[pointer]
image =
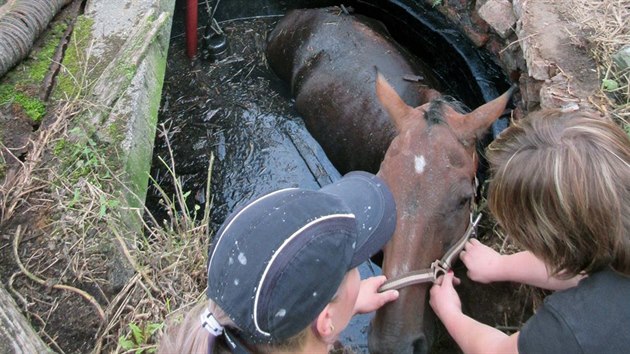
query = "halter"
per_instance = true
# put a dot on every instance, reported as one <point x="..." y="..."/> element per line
<point x="438" y="267"/>
<point x="443" y="265"/>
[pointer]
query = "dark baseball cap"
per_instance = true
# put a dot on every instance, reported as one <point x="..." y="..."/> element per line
<point x="278" y="261"/>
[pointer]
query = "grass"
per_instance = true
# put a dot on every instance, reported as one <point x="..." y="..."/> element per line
<point x="168" y="261"/>
<point x="76" y="201"/>
<point x="606" y="27"/>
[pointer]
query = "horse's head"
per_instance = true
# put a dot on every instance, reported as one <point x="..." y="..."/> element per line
<point x="430" y="167"/>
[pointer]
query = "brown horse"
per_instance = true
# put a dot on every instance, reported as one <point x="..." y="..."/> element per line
<point x="430" y="167"/>
<point x="328" y="57"/>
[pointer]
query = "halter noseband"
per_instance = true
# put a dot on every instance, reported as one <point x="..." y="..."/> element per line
<point x="438" y="267"/>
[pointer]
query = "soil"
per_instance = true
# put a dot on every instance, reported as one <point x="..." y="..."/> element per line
<point x="69" y="324"/>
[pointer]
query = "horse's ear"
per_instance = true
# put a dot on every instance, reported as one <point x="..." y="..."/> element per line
<point x="398" y="110"/>
<point x="479" y="120"/>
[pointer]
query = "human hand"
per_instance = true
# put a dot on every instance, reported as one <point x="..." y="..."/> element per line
<point x="444" y="298"/>
<point x="482" y="261"/>
<point x="369" y="298"/>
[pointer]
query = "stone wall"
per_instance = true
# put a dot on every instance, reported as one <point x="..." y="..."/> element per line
<point x="536" y="45"/>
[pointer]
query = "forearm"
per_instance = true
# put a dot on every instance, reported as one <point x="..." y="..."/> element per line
<point x="475" y="337"/>
<point x="524" y="267"/>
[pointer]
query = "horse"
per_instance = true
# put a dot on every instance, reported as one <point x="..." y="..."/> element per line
<point x="430" y="166"/>
<point x="426" y="155"/>
<point x="328" y="57"/>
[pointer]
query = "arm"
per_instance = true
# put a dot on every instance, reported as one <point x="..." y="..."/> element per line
<point x="486" y="265"/>
<point x="470" y="335"/>
<point x="369" y="298"/>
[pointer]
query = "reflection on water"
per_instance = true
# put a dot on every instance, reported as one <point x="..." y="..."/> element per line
<point x="239" y="112"/>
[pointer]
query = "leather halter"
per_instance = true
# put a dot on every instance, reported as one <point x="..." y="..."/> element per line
<point x="438" y="267"/>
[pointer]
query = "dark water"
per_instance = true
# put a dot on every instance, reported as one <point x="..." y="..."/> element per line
<point x="237" y="111"/>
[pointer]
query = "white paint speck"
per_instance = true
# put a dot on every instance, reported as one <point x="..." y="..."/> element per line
<point x="281" y="313"/>
<point x="230" y="261"/>
<point x="419" y="164"/>
<point x="236" y="281"/>
<point x="242" y="259"/>
<point x="315" y="294"/>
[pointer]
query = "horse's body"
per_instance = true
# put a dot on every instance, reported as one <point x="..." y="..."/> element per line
<point x="429" y="162"/>
<point x="328" y="58"/>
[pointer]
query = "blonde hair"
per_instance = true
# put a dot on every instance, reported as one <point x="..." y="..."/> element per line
<point x="188" y="337"/>
<point x="560" y="187"/>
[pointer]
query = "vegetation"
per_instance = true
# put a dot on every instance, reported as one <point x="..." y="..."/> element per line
<point x="606" y="26"/>
<point x="20" y="86"/>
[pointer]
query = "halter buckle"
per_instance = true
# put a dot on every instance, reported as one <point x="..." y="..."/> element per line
<point x="439" y="268"/>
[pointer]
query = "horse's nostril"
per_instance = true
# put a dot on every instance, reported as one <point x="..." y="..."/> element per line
<point x="420" y="345"/>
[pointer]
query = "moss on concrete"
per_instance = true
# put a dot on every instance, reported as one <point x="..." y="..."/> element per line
<point x="72" y="81"/>
<point x="139" y="160"/>
<point x="20" y="87"/>
<point x="123" y="135"/>
<point x="33" y="107"/>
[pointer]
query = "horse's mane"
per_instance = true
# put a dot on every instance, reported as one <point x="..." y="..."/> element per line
<point x="434" y="114"/>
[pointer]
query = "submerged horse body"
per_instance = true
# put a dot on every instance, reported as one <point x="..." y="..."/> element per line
<point x="328" y="58"/>
<point x="426" y="154"/>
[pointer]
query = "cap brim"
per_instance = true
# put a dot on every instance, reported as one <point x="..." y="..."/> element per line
<point x="372" y="203"/>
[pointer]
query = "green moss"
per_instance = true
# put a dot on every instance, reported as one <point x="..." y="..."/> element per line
<point x="33" y="107"/>
<point x="3" y="167"/>
<point x="43" y="58"/>
<point x="139" y="161"/>
<point x="71" y="81"/>
<point x="21" y="86"/>
<point x="115" y="131"/>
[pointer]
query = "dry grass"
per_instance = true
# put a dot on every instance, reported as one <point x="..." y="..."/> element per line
<point x="168" y="261"/>
<point x="606" y="26"/>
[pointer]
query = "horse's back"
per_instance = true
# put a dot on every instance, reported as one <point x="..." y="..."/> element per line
<point x="330" y="60"/>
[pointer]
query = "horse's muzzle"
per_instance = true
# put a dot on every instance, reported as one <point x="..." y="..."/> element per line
<point x="416" y="345"/>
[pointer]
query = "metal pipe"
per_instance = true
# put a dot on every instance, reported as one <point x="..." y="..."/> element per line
<point x="191" y="28"/>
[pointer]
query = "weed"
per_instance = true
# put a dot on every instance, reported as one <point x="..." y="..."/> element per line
<point x="139" y="339"/>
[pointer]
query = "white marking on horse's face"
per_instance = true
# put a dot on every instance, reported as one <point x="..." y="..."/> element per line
<point x="419" y="164"/>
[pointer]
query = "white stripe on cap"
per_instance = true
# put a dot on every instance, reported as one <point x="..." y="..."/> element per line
<point x="273" y="258"/>
<point x="239" y="213"/>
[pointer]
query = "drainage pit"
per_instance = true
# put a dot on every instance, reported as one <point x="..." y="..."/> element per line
<point x="228" y="107"/>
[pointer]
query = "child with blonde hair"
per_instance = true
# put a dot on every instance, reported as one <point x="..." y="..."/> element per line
<point x="560" y="188"/>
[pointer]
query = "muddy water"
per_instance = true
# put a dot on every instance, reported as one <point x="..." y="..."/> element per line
<point x="237" y="111"/>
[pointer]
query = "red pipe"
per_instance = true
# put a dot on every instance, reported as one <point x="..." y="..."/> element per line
<point x="191" y="28"/>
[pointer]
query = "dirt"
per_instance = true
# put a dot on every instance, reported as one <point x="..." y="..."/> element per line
<point x="68" y="323"/>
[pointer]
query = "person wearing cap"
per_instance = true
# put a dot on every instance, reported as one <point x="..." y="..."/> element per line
<point x="282" y="270"/>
